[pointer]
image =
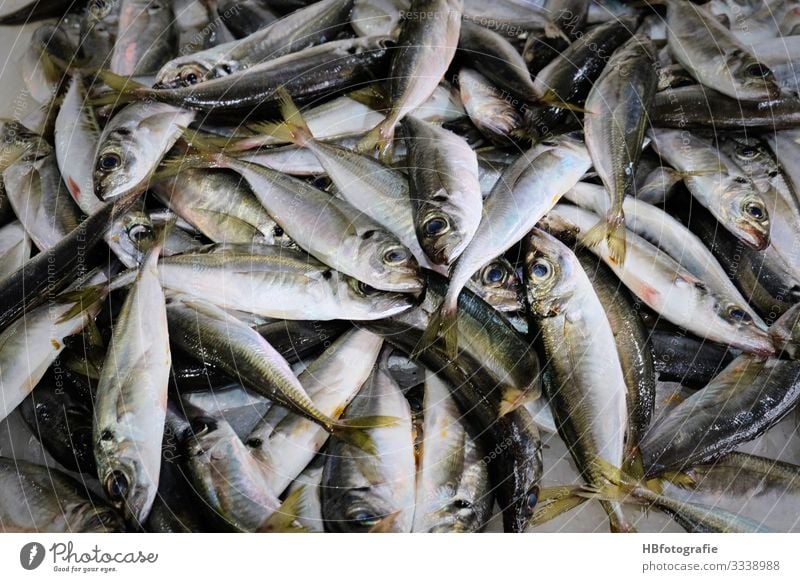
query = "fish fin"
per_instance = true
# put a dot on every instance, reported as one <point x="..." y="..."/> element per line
<point x="293" y="128"/>
<point x="613" y="231"/>
<point x="284" y="519"/>
<point x="550" y="99"/>
<point x="355" y="431"/>
<point x="633" y="465"/>
<point x="93" y="336"/>
<point x="554" y="501"/>
<point x="193" y="158"/>
<point x="678" y="478"/>
<point x="123" y="89"/>
<point x="381" y="139"/>
<point x="208" y="142"/>
<point x="552" y="30"/>
<point x="443" y="322"/>
<point x="373" y="96"/>
<point x="83" y="299"/>
<point x="513" y="398"/>
<point x="386" y="523"/>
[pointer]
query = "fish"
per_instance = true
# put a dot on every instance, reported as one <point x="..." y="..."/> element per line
<point x="633" y="348"/>
<point x="131" y="402"/>
<point x="614" y="126"/>
<point x="586" y="384"/>
<point x="495" y="117"/>
<point x="674" y="293"/>
<point x="286" y="443"/>
<point x="443" y="173"/>
<point x="512" y="209"/>
<point x="668" y="234"/>
<point x="211" y="334"/>
<point x="377" y="16"/>
<point x="494" y="57"/>
<point x="299" y="288"/>
<point x="713" y="55"/>
<point x="309" y="74"/>
<point x="425" y="48"/>
<point x="98" y="31"/>
<point x="226" y="476"/>
<point x="710" y="424"/>
<point x="453" y="492"/>
<point x="54" y="502"/>
<point x="698" y="107"/>
<point x="360" y="490"/>
<point x="342" y="237"/>
<point x="315" y="24"/>
<point x="132" y="144"/>
<point x="146" y="37"/>
<point x="221" y="206"/>
<point x="245" y="17"/>
<point x="716" y="183"/>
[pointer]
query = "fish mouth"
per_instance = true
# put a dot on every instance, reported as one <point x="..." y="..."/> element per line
<point x="755" y="238"/>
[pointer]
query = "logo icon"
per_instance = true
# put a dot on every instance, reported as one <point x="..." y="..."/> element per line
<point x="31" y="555"/>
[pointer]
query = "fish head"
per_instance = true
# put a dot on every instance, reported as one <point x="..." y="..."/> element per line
<point x="748" y="212"/>
<point x="135" y="234"/>
<point x="748" y="333"/>
<point x="549" y="272"/>
<point x="191" y="70"/>
<point x="376" y="302"/>
<point x="128" y="484"/>
<point x="498" y="284"/>
<point x="753" y="81"/>
<point x="440" y="237"/>
<point x="390" y="262"/>
<point x="119" y="162"/>
<point x="17" y="141"/>
<point x="365" y="509"/>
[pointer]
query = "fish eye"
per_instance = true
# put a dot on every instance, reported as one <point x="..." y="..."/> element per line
<point x="436" y="226"/>
<point x="190" y="76"/>
<point x="364" y="517"/>
<point x="739" y="314"/>
<point x="462" y="504"/>
<point x="494" y="274"/>
<point x="533" y="498"/>
<point x="109" y="161"/>
<point x="202" y="425"/>
<point x="139" y="233"/>
<point x="117" y="486"/>
<point x="415" y="404"/>
<point x="755" y="209"/>
<point x="395" y="256"/>
<point x="757" y="71"/>
<point x="747" y="151"/>
<point x="541" y="270"/>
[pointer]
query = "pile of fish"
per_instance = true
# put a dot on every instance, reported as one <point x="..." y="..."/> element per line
<point x="278" y="265"/>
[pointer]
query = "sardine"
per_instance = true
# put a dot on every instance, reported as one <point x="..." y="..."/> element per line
<point x="146" y="38"/>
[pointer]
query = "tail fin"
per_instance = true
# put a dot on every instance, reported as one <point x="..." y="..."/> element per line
<point x="381" y="139"/>
<point x="612" y="230"/>
<point x="83" y="299"/>
<point x="355" y="431"/>
<point x="552" y="100"/>
<point x="513" y="398"/>
<point x="284" y="519"/>
<point x="293" y="128"/>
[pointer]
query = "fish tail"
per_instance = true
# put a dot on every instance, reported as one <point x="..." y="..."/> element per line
<point x="443" y="322"/>
<point x="381" y="139"/>
<point x="83" y="299"/>
<point x="355" y="431"/>
<point x="513" y="398"/>
<point x="633" y="465"/>
<point x="293" y="128"/>
<point x="283" y="519"/>
<point x="554" y="501"/>
<point x="612" y="230"/>
<point x="552" y="100"/>
<point x="123" y="89"/>
<point x="617" y="520"/>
